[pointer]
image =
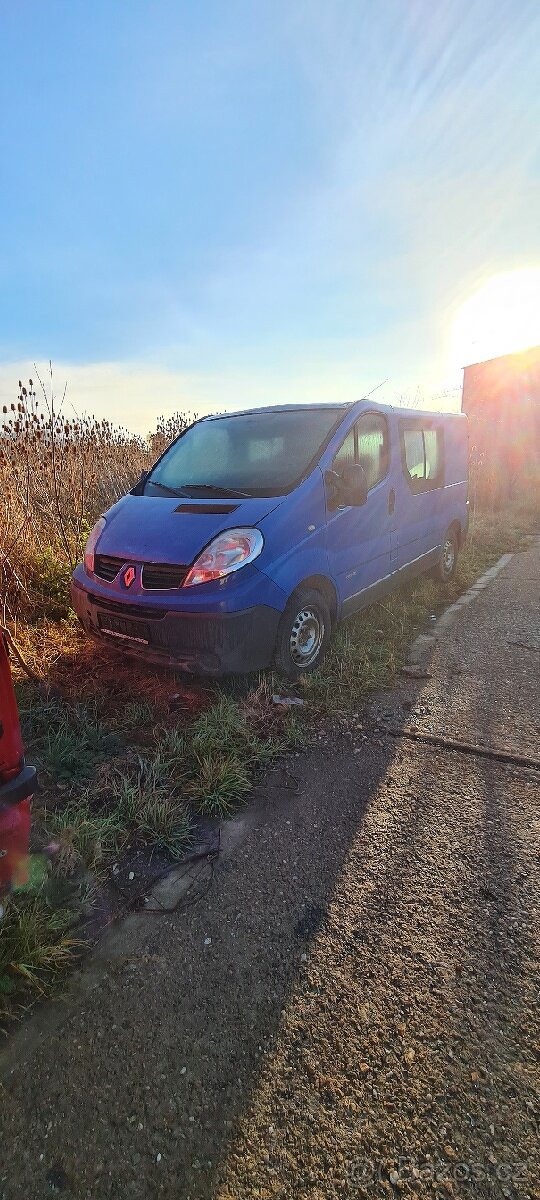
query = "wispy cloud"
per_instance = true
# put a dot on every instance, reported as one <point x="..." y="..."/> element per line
<point x="265" y="205"/>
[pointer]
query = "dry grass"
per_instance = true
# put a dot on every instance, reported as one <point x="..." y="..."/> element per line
<point x="35" y="948"/>
<point x="58" y="472"/>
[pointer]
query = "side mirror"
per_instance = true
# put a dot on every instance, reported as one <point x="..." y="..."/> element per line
<point x="353" y="485"/>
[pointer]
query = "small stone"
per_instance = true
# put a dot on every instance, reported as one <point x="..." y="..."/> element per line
<point x="363" y="1068"/>
<point x="409" y="1056"/>
<point x="394" y="1177"/>
<point x="131" y="876"/>
<point x="183" y="1070"/>
<point x="475" y="1076"/>
<point x="208" y="941"/>
<point x="158" y="1157"/>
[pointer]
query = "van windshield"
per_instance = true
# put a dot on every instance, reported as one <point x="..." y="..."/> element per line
<point x="252" y="454"/>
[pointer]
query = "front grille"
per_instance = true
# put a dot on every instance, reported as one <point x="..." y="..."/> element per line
<point x="141" y="611"/>
<point x="158" y="577"/>
<point x="106" y="567"/>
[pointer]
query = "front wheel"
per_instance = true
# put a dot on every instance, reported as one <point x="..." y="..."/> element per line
<point x="303" y="634"/>
<point x="447" y="564"/>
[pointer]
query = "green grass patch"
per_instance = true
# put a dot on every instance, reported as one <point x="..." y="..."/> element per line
<point x="84" y="838"/>
<point x="50" y="579"/>
<point x="67" y="741"/>
<point x="35" y="949"/>
<point x="135" y="719"/>
<point x="149" y="807"/>
<point x="211" y="763"/>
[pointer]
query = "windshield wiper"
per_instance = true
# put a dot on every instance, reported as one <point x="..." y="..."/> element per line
<point x="214" y="490"/>
<point x="165" y="488"/>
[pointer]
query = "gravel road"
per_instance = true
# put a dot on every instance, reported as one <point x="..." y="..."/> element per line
<point x="352" y="1009"/>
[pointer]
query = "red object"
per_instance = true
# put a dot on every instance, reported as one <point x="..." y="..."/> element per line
<point x="14" y="842"/>
<point x="17" y="783"/>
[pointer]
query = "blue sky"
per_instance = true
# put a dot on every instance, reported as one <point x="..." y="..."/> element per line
<point x="205" y="205"/>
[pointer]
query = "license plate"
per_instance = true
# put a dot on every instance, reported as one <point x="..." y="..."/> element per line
<point x="129" y="631"/>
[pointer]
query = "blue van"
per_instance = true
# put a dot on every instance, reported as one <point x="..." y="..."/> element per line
<point x="256" y="532"/>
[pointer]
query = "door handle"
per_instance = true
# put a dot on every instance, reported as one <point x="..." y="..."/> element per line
<point x="391" y="500"/>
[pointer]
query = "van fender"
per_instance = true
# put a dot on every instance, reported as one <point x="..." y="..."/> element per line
<point x="322" y="584"/>
<point x="305" y="568"/>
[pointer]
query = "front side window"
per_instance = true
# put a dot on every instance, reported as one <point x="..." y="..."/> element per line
<point x="422" y="456"/>
<point x="346" y="453"/>
<point x="249" y="454"/>
<point x="366" y="444"/>
<point x="372" y="436"/>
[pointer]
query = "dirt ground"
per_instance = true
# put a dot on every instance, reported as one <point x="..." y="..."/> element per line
<point x="351" y="1008"/>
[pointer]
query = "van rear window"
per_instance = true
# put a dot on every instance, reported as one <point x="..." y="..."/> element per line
<point x="422" y="456"/>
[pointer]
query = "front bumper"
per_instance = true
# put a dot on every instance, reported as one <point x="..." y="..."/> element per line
<point x="204" y="643"/>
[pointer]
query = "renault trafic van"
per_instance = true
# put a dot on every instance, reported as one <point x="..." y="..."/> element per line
<point x="256" y="532"/>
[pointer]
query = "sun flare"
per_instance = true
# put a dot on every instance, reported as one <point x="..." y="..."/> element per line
<point x="502" y="316"/>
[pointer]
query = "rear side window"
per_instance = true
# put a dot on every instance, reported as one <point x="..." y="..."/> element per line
<point x="366" y="444"/>
<point x="433" y="453"/>
<point x="414" y="453"/>
<point x="422" y="456"/>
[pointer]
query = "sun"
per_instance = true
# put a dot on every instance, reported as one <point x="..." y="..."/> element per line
<point x="502" y="316"/>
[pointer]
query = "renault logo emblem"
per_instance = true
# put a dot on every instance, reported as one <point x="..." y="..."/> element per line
<point x="129" y="576"/>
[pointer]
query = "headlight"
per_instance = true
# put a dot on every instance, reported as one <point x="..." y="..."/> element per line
<point x="90" y="548"/>
<point x="228" y="552"/>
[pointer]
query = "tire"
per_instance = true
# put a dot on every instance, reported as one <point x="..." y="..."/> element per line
<point x="447" y="564"/>
<point x="303" y="633"/>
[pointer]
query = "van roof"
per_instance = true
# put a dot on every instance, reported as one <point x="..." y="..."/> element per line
<point x="265" y="408"/>
<point x="339" y="407"/>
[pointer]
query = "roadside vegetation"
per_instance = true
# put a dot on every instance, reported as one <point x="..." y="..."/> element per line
<point x="134" y="762"/>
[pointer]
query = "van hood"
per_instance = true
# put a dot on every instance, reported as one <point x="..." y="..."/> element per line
<point x="174" y="530"/>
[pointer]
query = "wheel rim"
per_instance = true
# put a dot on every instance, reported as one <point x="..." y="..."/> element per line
<point x="448" y="556"/>
<point x="306" y="638"/>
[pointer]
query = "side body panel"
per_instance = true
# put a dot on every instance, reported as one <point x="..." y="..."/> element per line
<point x="295" y="537"/>
<point x="360" y="540"/>
<point x="425" y="509"/>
